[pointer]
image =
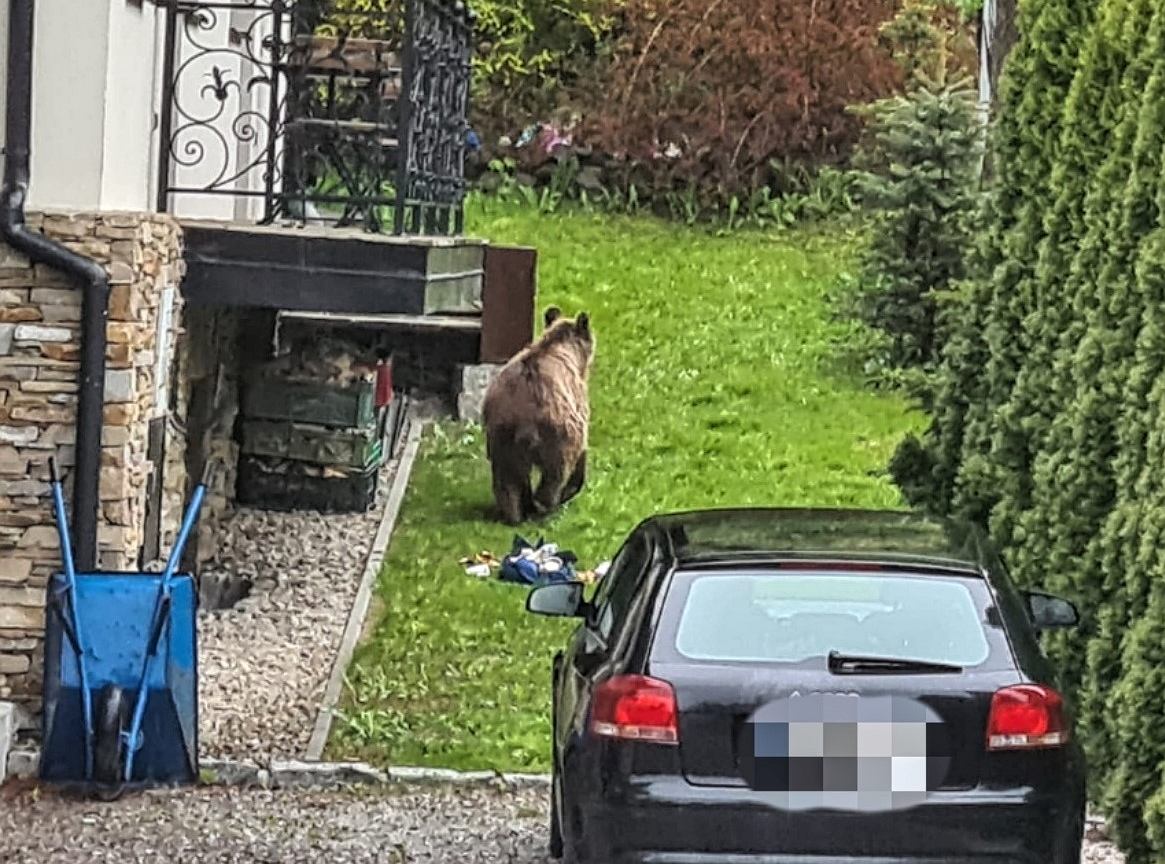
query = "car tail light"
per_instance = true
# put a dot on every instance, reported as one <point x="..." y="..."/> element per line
<point x="635" y="708"/>
<point x="1026" y="717"/>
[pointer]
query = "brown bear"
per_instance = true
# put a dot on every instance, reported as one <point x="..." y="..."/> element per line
<point x="536" y="415"/>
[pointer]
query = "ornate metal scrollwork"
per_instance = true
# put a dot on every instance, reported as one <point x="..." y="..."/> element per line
<point x="326" y="111"/>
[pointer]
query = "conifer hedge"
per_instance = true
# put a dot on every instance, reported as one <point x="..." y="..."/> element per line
<point x="1049" y="421"/>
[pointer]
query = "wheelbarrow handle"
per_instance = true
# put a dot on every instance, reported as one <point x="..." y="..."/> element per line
<point x="54" y="477"/>
<point x="208" y="474"/>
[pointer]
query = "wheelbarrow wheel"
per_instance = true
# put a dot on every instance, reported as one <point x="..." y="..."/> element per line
<point x="109" y="747"/>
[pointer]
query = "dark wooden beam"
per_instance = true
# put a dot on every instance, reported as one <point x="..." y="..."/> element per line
<point x="508" y="293"/>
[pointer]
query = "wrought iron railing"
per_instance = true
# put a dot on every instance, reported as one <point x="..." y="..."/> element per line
<point x="340" y="112"/>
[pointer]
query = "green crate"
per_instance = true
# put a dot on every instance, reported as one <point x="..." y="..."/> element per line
<point x="286" y="486"/>
<point x="354" y="448"/>
<point x="266" y="397"/>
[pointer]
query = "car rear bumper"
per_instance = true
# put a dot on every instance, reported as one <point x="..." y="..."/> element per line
<point x="668" y="821"/>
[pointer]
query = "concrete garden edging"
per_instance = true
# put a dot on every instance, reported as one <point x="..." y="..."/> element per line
<point x="293" y="774"/>
<point x="359" y="611"/>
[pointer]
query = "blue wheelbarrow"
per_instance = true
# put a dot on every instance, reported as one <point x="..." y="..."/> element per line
<point x="121" y="670"/>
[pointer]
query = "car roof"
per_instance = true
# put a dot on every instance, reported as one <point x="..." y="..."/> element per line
<point x="771" y="535"/>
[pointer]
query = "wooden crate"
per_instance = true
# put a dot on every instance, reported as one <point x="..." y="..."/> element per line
<point x="354" y="448"/>
<point x="267" y="484"/>
<point x="266" y="397"/>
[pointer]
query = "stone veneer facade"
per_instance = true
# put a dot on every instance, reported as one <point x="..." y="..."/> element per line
<point x="40" y="313"/>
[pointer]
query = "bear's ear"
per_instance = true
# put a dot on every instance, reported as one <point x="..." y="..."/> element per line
<point x="583" y="323"/>
<point x="553" y="313"/>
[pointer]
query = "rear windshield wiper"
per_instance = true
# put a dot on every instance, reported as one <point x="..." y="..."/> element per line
<point x="841" y="664"/>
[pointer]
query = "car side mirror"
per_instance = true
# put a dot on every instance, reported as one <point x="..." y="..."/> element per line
<point x="560" y="600"/>
<point x="1049" y="612"/>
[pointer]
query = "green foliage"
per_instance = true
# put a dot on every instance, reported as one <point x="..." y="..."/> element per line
<point x="1091" y="114"/>
<point x="924" y="157"/>
<point x="1064" y="437"/>
<point x="1036" y="78"/>
<point x="802" y="197"/>
<point x="530" y="52"/>
<point x="711" y="387"/>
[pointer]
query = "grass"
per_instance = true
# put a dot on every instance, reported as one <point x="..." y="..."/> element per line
<point x="713" y="386"/>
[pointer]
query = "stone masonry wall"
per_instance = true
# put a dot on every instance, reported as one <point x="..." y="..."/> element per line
<point x="40" y="313"/>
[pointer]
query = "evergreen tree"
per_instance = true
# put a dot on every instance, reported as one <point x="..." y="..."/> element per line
<point x="1074" y="484"/>
<point x="1132" y="742"/>
<point x="927" y="146"/>
<point x="1091" y="114"/>
<point x="1036" y="77"/>
<point x="1057" y="34"/>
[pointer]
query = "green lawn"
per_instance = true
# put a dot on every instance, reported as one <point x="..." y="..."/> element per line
<point x="712" y="386"/>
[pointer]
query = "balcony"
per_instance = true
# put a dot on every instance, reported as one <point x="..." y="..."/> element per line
<point x="314" y="151"/>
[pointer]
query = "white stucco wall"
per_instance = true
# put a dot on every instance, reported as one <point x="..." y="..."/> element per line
<point x="71" y="49"/>
<point x="127" y="169"/>
<point x="93" y="98"/>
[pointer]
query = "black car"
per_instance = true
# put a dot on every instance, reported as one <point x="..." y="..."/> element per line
<point x="810" y="686"/>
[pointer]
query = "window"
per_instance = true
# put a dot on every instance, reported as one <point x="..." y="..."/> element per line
<point x="617" y="590"/>
<point x="793" y="617"/>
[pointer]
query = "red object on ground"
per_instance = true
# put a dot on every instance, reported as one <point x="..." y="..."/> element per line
<point x="383" y="382"/>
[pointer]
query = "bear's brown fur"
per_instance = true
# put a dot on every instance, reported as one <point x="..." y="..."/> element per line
<point x="536" y="415"/>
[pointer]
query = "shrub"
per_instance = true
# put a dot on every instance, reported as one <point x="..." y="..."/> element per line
<point x="728" y="88"/>
<point x="1074" y="381"/>
<point x="925" y="151"/>
<point x="1025" y="153"/>
<point x="529" y="54"/>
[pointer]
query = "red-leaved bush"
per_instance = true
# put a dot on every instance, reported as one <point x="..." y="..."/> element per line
<point x="712" y="92"/>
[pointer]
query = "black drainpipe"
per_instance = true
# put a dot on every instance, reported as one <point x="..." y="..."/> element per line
<point x="90" y="275"/>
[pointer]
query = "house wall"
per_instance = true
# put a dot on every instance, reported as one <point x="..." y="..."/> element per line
<point x="127" y="178"/>
<point x="97" y="99"/>
<point x="39" y="349"/>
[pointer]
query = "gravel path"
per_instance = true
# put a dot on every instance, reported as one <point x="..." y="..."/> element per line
<point x="276" y="827"/>
<point x="289" y="827"/>
<point x="264" y="664"/>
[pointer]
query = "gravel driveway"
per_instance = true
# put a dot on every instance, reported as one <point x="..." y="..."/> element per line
<point x="475" y="826"/>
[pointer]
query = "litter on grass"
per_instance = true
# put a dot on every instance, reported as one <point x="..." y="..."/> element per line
<point x="532" y="564"/>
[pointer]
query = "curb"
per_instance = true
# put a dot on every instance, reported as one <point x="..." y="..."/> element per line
<point x="293" y="774"/>
<point x="359" y="611"/>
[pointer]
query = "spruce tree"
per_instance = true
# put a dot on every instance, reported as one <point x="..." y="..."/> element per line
<point x="926" y="143"/>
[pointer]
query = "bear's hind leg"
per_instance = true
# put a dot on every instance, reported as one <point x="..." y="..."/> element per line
<point x="511" y="486"/>
<point x="578" y="478"/>
<point x="549" y="493"/>
<point x="529" y="508"/>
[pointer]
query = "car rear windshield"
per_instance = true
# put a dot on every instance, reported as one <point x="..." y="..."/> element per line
<point x="788" y="617"/>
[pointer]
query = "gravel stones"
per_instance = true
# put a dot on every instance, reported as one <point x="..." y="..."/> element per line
<point x="265" y="663"/>
<point x="475" y="825"/>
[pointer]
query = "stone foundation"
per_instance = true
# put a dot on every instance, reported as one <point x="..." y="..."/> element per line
<point x="40" y="312"/>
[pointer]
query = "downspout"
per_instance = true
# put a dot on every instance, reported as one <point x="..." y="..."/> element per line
<point x="91" y="277"/>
